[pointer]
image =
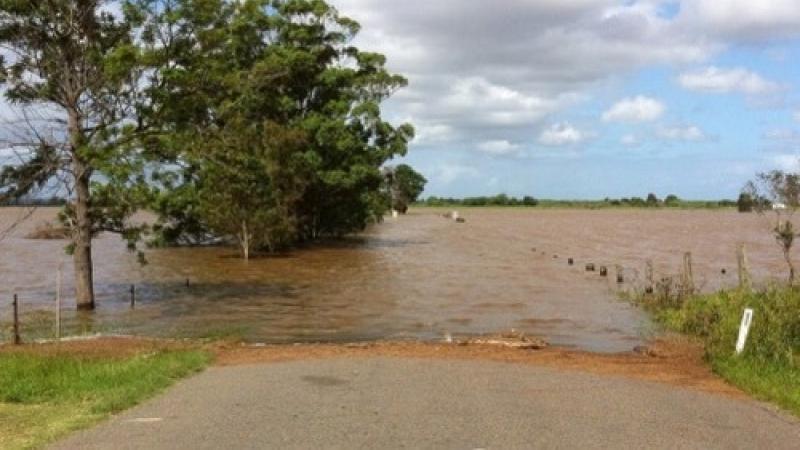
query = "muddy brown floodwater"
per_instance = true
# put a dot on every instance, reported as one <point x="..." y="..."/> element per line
<point x="418" y="277"/>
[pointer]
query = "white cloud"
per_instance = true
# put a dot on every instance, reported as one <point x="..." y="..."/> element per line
<point x="687" y="133"/>
<point x="476" y="67"/>
<point x="449" y="173"/>
<point x="636" y="109"/>
<point x="431" y="134"/>
<point x="561" y="134"/>
<point x="742" y="20"/>
<point x="782" y="135"/>
<point x="787" y="162"/>
<point x="720" y="81"/>
<point x="499" y="148"/>
<point x="630" y="140"/>
<point x="494" y="104"/>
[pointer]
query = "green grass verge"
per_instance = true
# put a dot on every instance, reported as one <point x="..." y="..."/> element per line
<point x="769" y="367"/>
<point x="43" y="397"/>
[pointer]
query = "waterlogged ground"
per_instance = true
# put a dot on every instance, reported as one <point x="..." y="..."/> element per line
<point x="418" y="277"/>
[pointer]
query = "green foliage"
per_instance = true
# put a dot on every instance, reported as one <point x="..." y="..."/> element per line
<point x="74" y="69"/>
<point x="672" y="200"/>
<point x="497" y="200"/>
<point x="275" y="122"/>
<point x="745" y="203"/>
<point x="109" y="385"/>
<point x="405" y="186"/>
<point x="74" y="58"/>
<point x="770" y="364"/>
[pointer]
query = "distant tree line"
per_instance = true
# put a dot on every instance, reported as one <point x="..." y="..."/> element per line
<point x="651" y="201"/>
<point x="497" y="200"/>
<point x="34" y="201"/>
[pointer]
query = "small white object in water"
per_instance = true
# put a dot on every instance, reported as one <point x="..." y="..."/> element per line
<point x="448" y="338"/>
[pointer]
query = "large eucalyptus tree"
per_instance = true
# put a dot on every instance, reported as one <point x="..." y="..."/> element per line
<point x="70" y="72"/>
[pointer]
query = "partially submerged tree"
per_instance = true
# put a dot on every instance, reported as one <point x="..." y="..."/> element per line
<point x="405" y="186"/>
<point x="745" y="203"/>
<point x="71" y="67"/>
<point x="283" y="139"/>
<point x="778" y="193"/>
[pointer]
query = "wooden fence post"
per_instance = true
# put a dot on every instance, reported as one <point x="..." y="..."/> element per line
<point x="744" y="275"/>
<point x="17" y="339"/>
<point x="688" y="275"/>
<point x="133" y="296"/>
<point x="649" y="277"/>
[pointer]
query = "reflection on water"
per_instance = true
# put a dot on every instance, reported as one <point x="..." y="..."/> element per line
<point x="420" y="276"/>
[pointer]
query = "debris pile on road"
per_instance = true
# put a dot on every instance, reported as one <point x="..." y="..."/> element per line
<point x="513" y="339"/>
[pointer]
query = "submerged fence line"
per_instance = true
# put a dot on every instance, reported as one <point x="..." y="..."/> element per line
<point x="682" y="284"/>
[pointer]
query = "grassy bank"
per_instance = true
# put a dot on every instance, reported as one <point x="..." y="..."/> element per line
<point x="47" y="391"/>
<point x="769" y="367"/>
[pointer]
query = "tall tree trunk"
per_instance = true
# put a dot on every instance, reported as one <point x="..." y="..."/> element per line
<point x="788" y="256"/>
<point x="82" y="229"/>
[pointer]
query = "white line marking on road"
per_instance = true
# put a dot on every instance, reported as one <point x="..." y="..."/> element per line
<point x="145" y="420"/>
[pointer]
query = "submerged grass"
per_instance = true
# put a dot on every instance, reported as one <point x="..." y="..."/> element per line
<point x="43" y="396"/>
<point x="769" y="367"/>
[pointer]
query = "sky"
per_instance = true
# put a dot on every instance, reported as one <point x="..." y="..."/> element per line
<point x="591" y="98"/>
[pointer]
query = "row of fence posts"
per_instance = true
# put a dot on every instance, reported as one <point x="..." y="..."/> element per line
<point x="15" y="305"/>
<point x="687" y="274"/>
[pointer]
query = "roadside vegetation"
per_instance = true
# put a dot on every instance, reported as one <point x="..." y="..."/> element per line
<point x="769" y="367"/>
<point x="47" y="391"/>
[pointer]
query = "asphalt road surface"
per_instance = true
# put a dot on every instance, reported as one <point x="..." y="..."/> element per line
<point x="391" y="403"/>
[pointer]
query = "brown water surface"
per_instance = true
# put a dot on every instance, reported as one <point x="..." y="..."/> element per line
<point x="418" y="277"/>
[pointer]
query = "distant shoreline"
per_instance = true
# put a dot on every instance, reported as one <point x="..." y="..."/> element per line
<point x="592" y="205"/>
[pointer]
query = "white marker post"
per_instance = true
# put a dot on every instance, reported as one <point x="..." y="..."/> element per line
<point x="744" y="330"/>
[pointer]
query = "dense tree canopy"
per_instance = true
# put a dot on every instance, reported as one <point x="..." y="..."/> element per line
<point x="283" y="140"/>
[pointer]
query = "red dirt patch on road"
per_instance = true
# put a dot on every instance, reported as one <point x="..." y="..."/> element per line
<point x="676" y="361"/>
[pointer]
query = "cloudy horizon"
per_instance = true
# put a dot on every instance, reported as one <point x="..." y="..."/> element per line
<point x="591" y="98"/>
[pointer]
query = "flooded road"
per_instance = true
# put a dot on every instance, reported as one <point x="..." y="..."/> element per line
<point x="418" y="277"/>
